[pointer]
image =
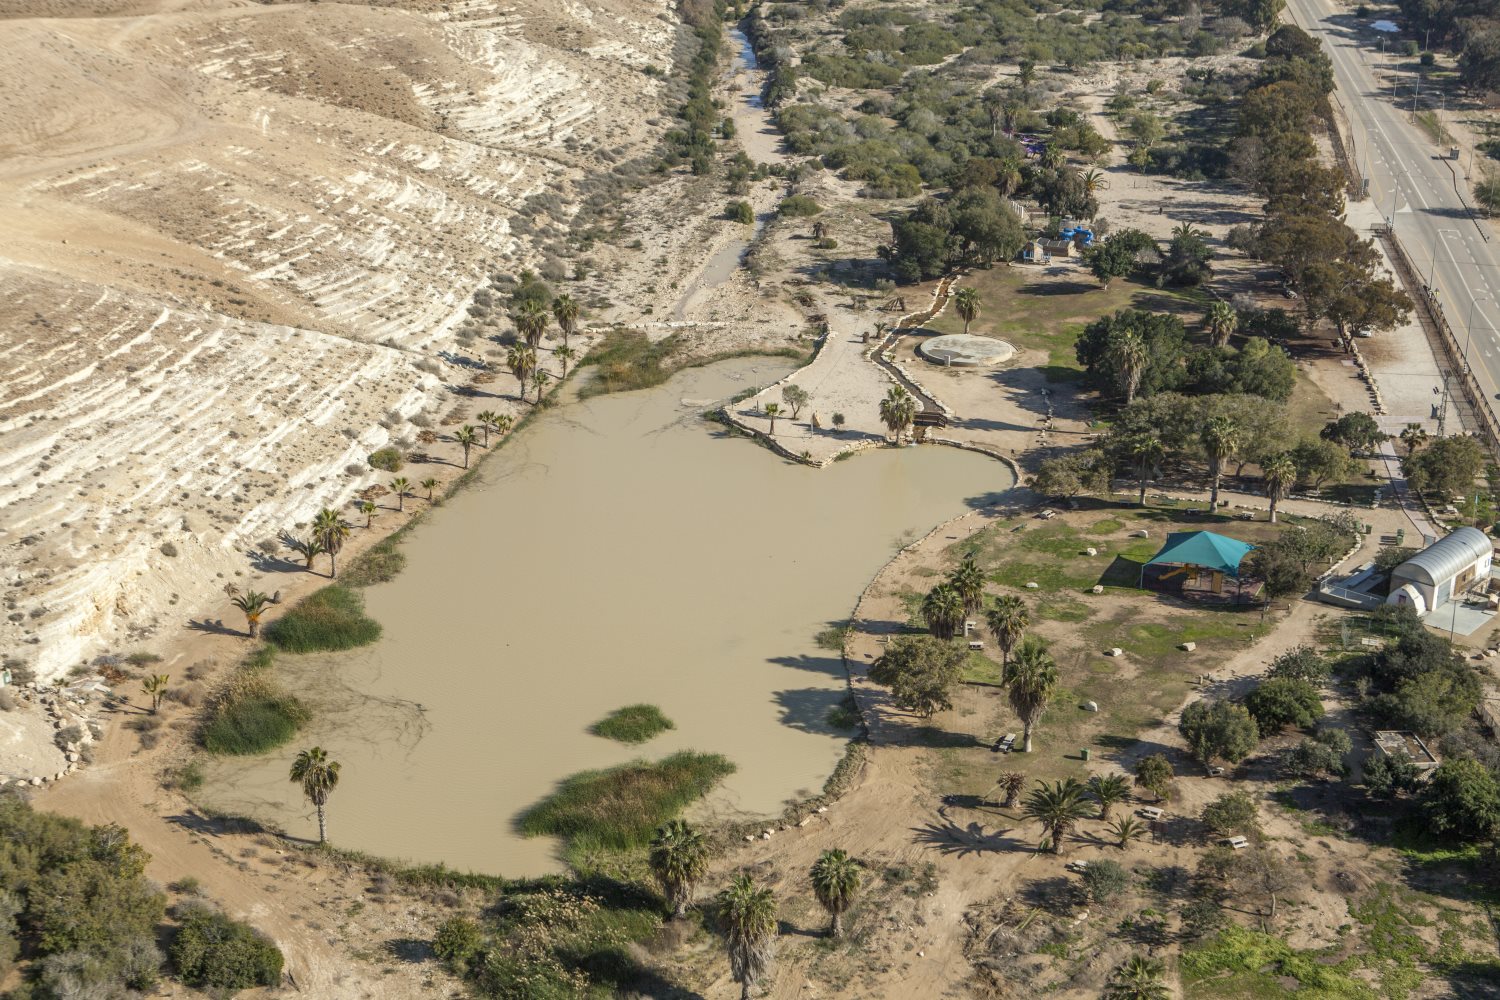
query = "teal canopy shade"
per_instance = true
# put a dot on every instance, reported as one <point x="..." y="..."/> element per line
<point x="1203" y="548"/>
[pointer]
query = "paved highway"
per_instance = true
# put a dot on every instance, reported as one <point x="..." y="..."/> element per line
<point x="1411" y="183"/>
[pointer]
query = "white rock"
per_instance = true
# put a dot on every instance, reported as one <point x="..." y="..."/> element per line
<point x="36" y="782"/>
<point x="1098" y="588"/>
<point x="1032" y="585"/>
<point x="766" y="835"/>
<point x="1187" y="647"/>
<point x="805" y="820"/>
<point x="822" y="809"/>
<point x="1115" y="651"/>
<point x="1092" y="551"/>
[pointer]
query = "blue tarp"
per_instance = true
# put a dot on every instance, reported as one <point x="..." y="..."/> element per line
<point x="1203" y="548"/>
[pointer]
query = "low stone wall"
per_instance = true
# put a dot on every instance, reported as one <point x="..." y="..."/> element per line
<point x="68" y="712"/>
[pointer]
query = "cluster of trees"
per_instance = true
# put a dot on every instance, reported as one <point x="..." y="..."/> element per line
<point x="1471" y="27"/>
<point x="1334" y="272"/>
<point x="1418" y="681"/>
<point x="1445" y="466"/>
<point x="81" y="919"/>
<point x="974" y="226"/>
<point x="694" y="142"/>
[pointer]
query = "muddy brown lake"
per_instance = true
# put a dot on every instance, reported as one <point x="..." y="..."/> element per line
<point x="616" y="550"/>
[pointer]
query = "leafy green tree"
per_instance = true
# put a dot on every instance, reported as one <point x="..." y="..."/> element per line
<point x="796" y="397"/>
<point x="465" y="438"/>
<point x="1111" y="259"/>
<point x="1132" y="352"/>
<point x="331" y="530"/>
<point x="920" y="671"/>
<point x="1355" y="431"/>
<point x="1322" y="756"/>
<point x="1104" y="879"/>
<point x="1479" y="63"/>
<point x="836" y="880"/>
<point x="966" y="302"/>
<point x="1218" y="730"/>
<point x="1155" y="774"/>
<point x="679" y="860"/>
<point x="1058" y="807"/>
<point x="1300" y="663"/>
<point x="1433" y="703"/>
<point x="1231" y="813"/>
<point x="985" y="228"/>
<point x="1008" y="621"/>
<point x="1030" y="679"/>
<point x="747" y="912"/>
<point x="318" y="776"/>
<point x="1107" y="790"/>
<point x="1138" y="978"/>
<point x="1388" y="776"/>
<point x="1073" y="474"/>
<point x="1448" y="466"/>
<point x="212" y="952"/>
<point x="741" y="212"/>
<point x="967" y="580"/>
<point x="1463" y="800"/>
<point x="1278" y="702"/>
<point x="1322" y="461"/>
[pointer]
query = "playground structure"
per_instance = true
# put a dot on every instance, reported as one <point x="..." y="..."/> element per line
<point x="1200" y="565"/>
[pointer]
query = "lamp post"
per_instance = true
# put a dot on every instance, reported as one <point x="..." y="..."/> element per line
<point x="1432" y="270"/>
<point x="1469" y="326"/>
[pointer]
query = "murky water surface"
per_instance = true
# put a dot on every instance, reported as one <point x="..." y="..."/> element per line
<point x="619" y="550"/>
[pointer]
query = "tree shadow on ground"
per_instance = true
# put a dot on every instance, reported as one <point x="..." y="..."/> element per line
<point x="1056" y="895"/>
<point x="214" y="626"/>
<point x="412" y="950"/>
<point x="217" y="826"/>
<point x="950" y="838"/>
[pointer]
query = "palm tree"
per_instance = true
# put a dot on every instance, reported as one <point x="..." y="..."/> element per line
<point x="1414" y="437"/>
<point x="1012" y="782"/>
<point x="521" y="360"/>
<point x="465" y="438"/>
<point x="1221" y="436"/>
<point x="1030" y="677"/>
<point x="1186" y="230"/>
<point x="943" y="610"/>
<point x="155" y="688"/>
<point x="1129" y="352"/>
<point x="400" y="484"/>
<point x="503" y="423"/>
<point x="773" y="410"/>
<point x="897" y="411"/>
<point x="565" y="310"/>
<point x="1280" y="472"/>
<point x="1146" y="451"/>
<point x="1221" y="321"/>
<point x="1057" y="807"/>
<point x="564" y="355"/>
<point x="253" y="605"/>
<point x="429" y="484"/>
<point x="968" y="580"/>
<point x="1094" y="181"/>
<point x="1125" y="829"/>
<point x="319" y="777"/>
<point x="538" y="382"/>
<point x="1052" y="157"/>
<point x="836" y="881"/>
<point x="1008" y="621"/>
<point x="331" y="530"/>
<point x="1107" y="790"/>
<point x="1138" y="978"/>
<point x="367" y="508"/>
<point x="748" y="914"/>
<point x="966" y="301"/>
<point x="679" y="860"/>
<point x="309" y="548"/>
<point x="486" y="420"/>
<point x="531" y="322"/>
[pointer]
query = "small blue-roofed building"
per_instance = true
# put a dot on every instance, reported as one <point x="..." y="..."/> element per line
<point x="1195" y="560"/>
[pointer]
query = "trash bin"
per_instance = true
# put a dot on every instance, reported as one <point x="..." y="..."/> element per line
<point x="1085" y="753"/>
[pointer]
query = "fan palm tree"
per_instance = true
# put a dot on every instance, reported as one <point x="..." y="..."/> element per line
<point x="486" y="420"/>
<point x="1220" y="437"/>
<point x="521" y="360"/>
<point x="564" y="355"/>
<point x="773" y="410"/>
<point x="679" y="860"/>
<point x="1221" y="321"/>
<point x="503" y="423"/>
<point x="252" y="605"/>
<point x="318" y="776"/>
<point x="331" y="530"/>
<point x="429" y="484"/>
<point x="1058" y="807"/>
<point x="155" y="688"/>
<point x="1138" y="978"/>
<point x="943" y="610"/>
<point x="367" y="508"/>
<point x="1107" y="790"/>
<point x="465" y="439"/>
<point x="1129" y="353"/>
<point x="1008" y="178"/>
<point x="531" y="322"/>
<point x="538" y="382"/>
<point x="897" y="411"/>
<point x="968" y="580"/>
<point x="836" y="881"/>
<point x="966" y="301"/>
<point x="1280" y="472"/>
<point x="1052" y="157"/>
<point x="1030" y="677"/>
<point x="1146" y="452"/>
<point x="565" y="310"/>
<point x="1094" y="181"/>
<point x="1012" y="782"/>
<point x="748" y="914"/>
<point x="1414" y="437"/>
<point x="1008" y="621"/>
<point x="1125" y="829"/>
<point x="400" y="484"/>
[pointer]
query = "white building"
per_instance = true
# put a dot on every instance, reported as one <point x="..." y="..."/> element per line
<point x="1449" y="566"/>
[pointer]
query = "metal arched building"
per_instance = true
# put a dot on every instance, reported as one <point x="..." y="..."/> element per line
<point x="1450" y="565"/>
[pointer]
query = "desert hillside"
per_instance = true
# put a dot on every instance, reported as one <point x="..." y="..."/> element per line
<point x="240" y="244"/>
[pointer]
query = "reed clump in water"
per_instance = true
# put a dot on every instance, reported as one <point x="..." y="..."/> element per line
<point x="329" y="619"/>
<point x="251" y="714"/>
<point x="632" y="724"/>
<point x="619" y="808"/>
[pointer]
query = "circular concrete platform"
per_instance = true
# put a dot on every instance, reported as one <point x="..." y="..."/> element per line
<point x="961" y="350"/>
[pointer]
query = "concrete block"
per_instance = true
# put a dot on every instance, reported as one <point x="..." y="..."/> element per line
<point x="1187" y="647"/>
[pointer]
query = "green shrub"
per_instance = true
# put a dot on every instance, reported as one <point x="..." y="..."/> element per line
<point x="620" y="807"/>
<point x="214" y="952"/>
<point x="798" y="206"/>
<point x="251" y="715"/>
<point x="740" y="211"/>
<point x="827" y="243"/>
<point x="329" y="619"/>
<point x="632" y="724"/>
<point x="387" y="460"/>
<point x="458" y="940"/>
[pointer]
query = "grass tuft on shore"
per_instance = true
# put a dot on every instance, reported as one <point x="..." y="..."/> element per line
<point x="251" y="715"/>
<point x="619" y="808"/>
<point x="632" y="724"/>
<point x="329" y="619"/>
<point x="380" y="563"/>
<point x="626" y="360"/>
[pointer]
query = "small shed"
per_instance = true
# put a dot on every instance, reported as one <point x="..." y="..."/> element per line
<point x="1206" y="556"/>
<point x="1035" y="252"/>
<point x="1450" y="565"/>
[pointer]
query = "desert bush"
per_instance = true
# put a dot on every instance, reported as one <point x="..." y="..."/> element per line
<point x="214" y="952"/>
<point x="251" y="715"/>
<point x="329" y="619"/>
<point x="798" y="206"/>
<point x="387" y="460"/>
<point x="741" y="212"/>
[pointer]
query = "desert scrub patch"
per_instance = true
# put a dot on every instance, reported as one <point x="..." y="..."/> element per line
<point x="632" y="724"/>
<point x="329" y="619"/>
<point x="380" y="563"/>
<point x="798" y="206"/>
